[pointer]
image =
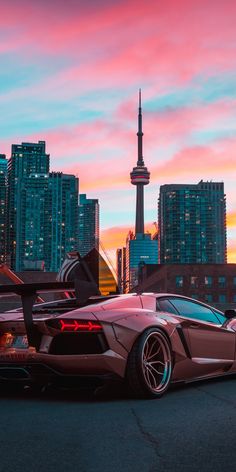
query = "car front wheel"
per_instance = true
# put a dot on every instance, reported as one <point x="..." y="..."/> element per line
<point x="149" y="364"/>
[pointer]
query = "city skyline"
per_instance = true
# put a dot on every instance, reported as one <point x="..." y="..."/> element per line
<point x="74" y="84"/>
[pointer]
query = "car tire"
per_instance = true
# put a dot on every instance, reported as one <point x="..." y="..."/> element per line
<point x="149" y="364"/>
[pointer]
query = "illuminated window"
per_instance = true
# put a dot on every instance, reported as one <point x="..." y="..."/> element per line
<point x="193" y="281"/>
<point x="179" y="281"/>
<point x="208" y="280"/>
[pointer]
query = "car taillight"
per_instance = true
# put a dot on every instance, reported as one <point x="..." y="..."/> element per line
<point x="77" y="325"/>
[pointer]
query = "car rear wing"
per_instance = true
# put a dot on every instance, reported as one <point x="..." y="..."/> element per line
<point x="29" y="293"/>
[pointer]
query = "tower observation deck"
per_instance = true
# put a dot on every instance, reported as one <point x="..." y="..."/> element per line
<point x="140" y="176"/>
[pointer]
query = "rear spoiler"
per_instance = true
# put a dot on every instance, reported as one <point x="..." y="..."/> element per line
<point x="29" y="293"/>
<point x="41" y="287"/>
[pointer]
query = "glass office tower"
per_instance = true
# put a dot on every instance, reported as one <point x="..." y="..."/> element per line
<point x="27" y="159"/>
<point x="88" y="229"/>
<point x="192" y="223"/>
<point x="3" y="206"/>
<point x="42" y="210"/>
<point x="63" y="204"/>
<point x="140" y="250"/>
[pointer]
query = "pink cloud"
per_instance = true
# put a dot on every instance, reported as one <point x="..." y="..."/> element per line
<point x="95" y="148"/>
<point x="208" y="162"/>
<point x="177" y="124"/>
<point x="190" y="164"/>
<point x="120" y="44"/>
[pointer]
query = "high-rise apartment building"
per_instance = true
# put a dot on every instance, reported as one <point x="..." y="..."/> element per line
<point x="3" y="207"/>
<point x="192" y="223"/>
<point x="27" y="159"/>
<point x="63" y="216"/>
<point x="3" y="163"/>
<point x="88" y="228"/>
<point x="36" y="230"/>
<point x="42" y="210"/>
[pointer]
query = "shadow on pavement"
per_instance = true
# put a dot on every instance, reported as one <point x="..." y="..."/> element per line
<point x="101" y="394"/>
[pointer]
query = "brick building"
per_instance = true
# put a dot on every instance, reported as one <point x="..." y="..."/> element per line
<point x="212" y="283"/>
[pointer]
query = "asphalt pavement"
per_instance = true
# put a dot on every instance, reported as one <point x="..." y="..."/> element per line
<point x="191" y="428"/>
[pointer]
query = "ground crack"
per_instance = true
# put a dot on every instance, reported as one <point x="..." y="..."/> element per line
<point x="146" y="435"/>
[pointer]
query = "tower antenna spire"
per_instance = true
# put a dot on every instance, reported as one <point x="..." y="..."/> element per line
<point x="140" y="175"/>
<point x="140" y="161"/>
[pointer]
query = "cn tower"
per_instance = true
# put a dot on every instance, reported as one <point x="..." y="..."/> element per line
<point x="140" y="176"/>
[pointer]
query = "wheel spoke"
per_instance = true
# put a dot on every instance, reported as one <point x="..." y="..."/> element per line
<point x="156" y="359"/>
<point x="157" y="362"/>
<point x="154" y="379"/>
<point x="151" y="348"/>
<point x="146" y="373"/>
<point x="155" y="370"/>
<point x="155" y="354"/>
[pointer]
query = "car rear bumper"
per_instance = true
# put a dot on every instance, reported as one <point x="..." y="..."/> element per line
<point x="22" y="365"/>
<point x="35" y="373"/>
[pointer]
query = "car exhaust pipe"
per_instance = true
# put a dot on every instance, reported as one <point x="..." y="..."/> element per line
<point x="14" y="373"/>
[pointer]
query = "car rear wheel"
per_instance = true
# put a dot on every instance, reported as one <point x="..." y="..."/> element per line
<point x="149" y="364"/>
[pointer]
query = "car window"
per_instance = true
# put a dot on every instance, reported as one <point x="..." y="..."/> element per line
<point x="164" y="305"/>
<point x="220" y="317"/>
<point x="194" y="310"/>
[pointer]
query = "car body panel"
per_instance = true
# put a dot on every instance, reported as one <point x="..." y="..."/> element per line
<point x="199" y="349"/>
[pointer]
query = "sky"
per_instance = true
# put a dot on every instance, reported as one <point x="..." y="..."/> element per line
<point x="70" y="73"/>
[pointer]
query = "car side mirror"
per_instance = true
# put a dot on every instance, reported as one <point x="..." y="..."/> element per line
<point x="229" y="314"/>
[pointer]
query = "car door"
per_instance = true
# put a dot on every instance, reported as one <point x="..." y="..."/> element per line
<point x="210" y="341"/>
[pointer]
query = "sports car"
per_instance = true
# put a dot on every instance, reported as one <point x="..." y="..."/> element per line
<point x="146" y="340"/>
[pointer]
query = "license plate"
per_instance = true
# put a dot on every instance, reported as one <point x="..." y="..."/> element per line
<point x="20" y="342"/>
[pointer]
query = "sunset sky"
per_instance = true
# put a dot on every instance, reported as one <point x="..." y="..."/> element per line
<point x="70" y="73"/>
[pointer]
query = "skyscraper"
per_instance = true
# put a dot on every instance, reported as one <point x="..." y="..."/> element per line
<point x="140" y="248"/>
<point x="192" y="223"/>
<point x="88" y="229"/>
<point x="36" y="229"/>
<point x="42" y="210"/>
<point x="3" y="206"/>
<point x="63" y="208"/>
<point x="27" y="159"/>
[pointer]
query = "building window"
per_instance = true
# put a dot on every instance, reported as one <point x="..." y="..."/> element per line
<point x="221" y="282"/>
<point x="234" y="281"/>
<point x="208" y="297"/>
<point x="234" y="298"/>
<point x="222" y="298"/>
<point x="208" y="280"/>
<point x="193" y="281"/>
<point x="179" y="281"/>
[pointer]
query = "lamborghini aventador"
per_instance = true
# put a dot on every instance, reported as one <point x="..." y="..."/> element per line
<point x="144" y="340"/>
